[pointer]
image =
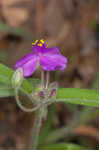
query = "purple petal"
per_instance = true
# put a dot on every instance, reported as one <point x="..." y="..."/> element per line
<point x="52" y="62"/>
<point x="28" y="64"/>
<point x="37" y="49"/>
<point x="52" y="93"/>
<point x="43" y="50"/>
<point x="23" y="60"/>
<point x="53" y="50"/>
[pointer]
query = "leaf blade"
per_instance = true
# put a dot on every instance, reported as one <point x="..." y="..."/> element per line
<point x="78" y="96"/>
<point x="6" y="76"/>
<point x="63" y="146"/>
<point x="6" y="91"/>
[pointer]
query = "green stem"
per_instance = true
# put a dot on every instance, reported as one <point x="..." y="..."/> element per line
<point x="47" y="79"/>
<point x="38" y="119"/>
<point x="36" y="128"/>
<point x="21" y="106"/>
<point x="42" y="78"/>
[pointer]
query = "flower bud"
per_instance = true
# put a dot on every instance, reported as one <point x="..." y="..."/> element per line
<point x="17" y="78"/>
<point x="52" y="93"/>
<point x="52" y="90"/>
<point x="41" y="95"/>
<point x="53" y="85"/>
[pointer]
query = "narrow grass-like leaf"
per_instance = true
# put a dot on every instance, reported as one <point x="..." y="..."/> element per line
<point x="6" y="76"/>
<point x="78" y="96"/>
<point x="6" y="91"/>
<point x="63" y="146"/>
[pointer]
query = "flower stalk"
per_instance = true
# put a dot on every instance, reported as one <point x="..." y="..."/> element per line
<point x="37" y="121"/>
<point x="42" y="78"/>
<point x="21" y="106"/>
<point x="36" y="129"/>
<point x="47" y="79"/>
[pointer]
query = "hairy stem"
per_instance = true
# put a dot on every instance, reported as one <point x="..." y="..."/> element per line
<point x="42" y="78"/>
<point x="21" y="106"/>
<point x="37" y="121"/>
<point x="36" y="128"/>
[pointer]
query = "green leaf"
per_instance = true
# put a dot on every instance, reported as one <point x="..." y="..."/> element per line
<point x="74" y="147"/>
<point x="34" y="81"/>
<point x="6" y="91"/>
<point x="62" y="146"/>
<point x="78" y="96"/>
<point x="6" y="76"/>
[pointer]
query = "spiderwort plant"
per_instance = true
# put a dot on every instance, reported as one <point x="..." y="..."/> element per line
<point x="48" y="59"/>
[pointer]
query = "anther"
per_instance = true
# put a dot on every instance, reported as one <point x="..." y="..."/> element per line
<point x="42" y="41"/>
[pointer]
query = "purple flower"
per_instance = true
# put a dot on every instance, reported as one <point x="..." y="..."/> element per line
<point x="49" y="59"/>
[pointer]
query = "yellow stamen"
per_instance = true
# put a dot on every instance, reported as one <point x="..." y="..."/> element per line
<point x="34" y="43"/>
<point x="40" y="44"/>
<point x="42" y="41"/>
